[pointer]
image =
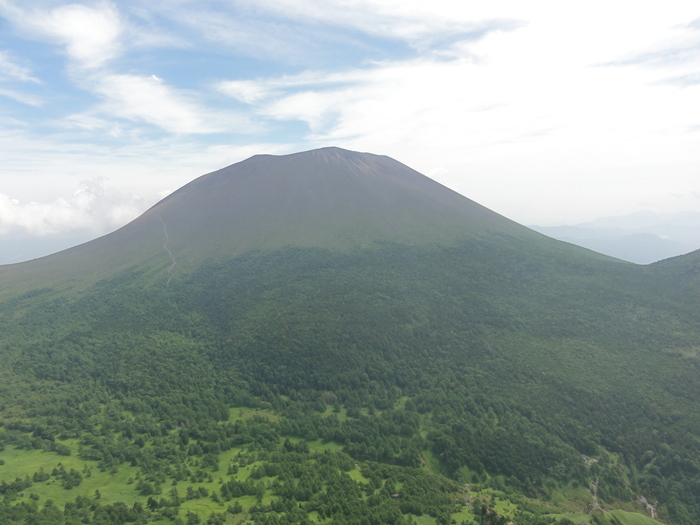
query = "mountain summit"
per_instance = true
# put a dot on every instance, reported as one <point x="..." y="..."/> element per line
<point x="327" y="198"/>
<point x="330" y="198"/>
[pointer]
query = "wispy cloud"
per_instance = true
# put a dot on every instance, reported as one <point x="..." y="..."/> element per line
<point x="690" y="79"/>
<point x="19" y="96"/>
<point x="420" y="24"/>
<point x="253" y="91"/>
<point x="241" y="34"/>
<point x="9" y="68"/>
<point x="388" y="102"/>
<point x="308" y="31"/>
<point x="682" y="47"/>
<point x="149" y="99"/>
<point x="678" y="53"/>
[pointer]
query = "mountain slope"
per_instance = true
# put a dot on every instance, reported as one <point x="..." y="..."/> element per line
<point x="329" y="198"/>
<point x="398" y="339"/>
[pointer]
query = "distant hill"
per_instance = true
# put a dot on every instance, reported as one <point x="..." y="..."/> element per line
<point x="331" y="337"/>
<point x="642" y="237"/>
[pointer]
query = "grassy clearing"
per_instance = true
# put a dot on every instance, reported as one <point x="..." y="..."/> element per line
<point x="401" y="403"/>
<point x="633" y="518"/>
<point x="424" y="520"/>
<point x="464" y="515"/>
<point x="431" y="462"/>
<point x="626" y="518"/>
<point x="356" y="475"/>
<point x="572" y="498"/>
<point x="505" y="507"/>
<point x="320" y="446"/>
<point x="113" y="487"/>
<point x="241" y="413"/>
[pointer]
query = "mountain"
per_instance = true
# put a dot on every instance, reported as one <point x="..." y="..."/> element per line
<point x="328" y="198"/>
<point x="332" y="337"/>
<point x="642" y="237"/>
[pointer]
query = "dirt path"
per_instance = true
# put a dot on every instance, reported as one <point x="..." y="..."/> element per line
<point x="594" y="493"/>
<point x="165" y="247"/>
<point x="651" y="508"/>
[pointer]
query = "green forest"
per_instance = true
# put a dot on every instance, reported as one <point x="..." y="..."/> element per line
<point x="392" y="385"/>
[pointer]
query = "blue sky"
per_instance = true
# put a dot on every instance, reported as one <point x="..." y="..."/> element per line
<point x="546" y="112"/>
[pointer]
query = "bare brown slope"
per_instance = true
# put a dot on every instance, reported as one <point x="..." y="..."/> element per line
<point x="329" y="198"/>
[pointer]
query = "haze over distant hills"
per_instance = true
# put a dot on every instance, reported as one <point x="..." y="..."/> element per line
<point x="21" y="247"/>
<point x="643" y="237"/>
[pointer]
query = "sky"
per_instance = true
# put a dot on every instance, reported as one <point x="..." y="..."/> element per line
<point x="546" y="112"/>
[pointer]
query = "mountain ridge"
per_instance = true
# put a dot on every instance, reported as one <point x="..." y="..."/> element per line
<point x="330" y="197"/>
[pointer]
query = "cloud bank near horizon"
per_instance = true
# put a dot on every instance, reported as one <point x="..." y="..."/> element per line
<point x="94" y="208"/>
<point x="543" y="112"/>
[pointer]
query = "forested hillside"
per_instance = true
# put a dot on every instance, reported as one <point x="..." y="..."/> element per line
<point x="498" y="376"/>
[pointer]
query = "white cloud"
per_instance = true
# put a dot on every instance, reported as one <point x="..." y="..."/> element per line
<point x="93" y="208"/>
<point x="247" y="91"/>
<point x="39" y="168"/>
<point x="97" y="207"/>
<point x="91" y="34"/>
<point x="488" y="97"/>
<point x="9" y="68"/>
<point x="149" y="99"/>
<point x="531" y="113"/>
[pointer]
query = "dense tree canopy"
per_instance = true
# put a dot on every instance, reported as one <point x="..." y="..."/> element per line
<point x="410" y="371"/>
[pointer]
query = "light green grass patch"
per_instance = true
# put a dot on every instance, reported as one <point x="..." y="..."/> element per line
<point x="431" y="462"/>
<point x="575" y="517"/>
<point x="202" y="506"/>
<point x="505" y="507"/>
<point x="238" y="413"/>
<point x="225" y="459"/>
<point x="320" y="446"/>
<point x="356" y="476"/>
<point x="572" y="499"/>
<point x="464" y="515"/>
<point x="423" y="520"/>
<point x="112" y="487"/>
<point x="633" y="518"/>
<point x="401" y="402"/>
<point x="342" y="415"/>
<point x="468" y="476"/>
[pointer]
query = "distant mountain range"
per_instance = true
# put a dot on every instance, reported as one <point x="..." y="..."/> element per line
<point x="643" y="237"/>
